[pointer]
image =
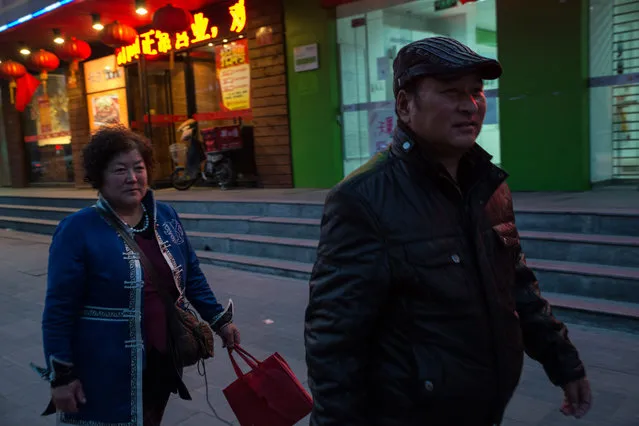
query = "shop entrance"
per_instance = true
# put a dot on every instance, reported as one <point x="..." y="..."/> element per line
<point x="163" y="94"/>
<point x="157" y="110"/>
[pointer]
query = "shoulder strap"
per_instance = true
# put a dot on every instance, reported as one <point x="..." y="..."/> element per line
<point x="146" y="263"/>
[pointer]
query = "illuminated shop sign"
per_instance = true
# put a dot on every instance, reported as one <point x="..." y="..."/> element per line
<point x="154" y="42"/>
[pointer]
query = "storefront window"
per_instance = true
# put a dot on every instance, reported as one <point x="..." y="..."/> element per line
<point x="614" y="93"/>
<point x="369" y="39"/>
<point x="203" y="74"/>
<point x="47" y="134"/>
<point x="222" y="84"/>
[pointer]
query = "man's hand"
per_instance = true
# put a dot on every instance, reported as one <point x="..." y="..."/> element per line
<point x="577" y="398"/>
<point x="67" y="398"/>
<point x="230" y="335"/>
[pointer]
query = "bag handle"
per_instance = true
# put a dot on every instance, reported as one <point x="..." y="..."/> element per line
<point x="243" y="353"/>
<point x="248" y="359"/>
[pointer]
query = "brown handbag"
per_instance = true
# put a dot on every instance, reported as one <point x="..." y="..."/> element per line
<point x="191" y="339"/>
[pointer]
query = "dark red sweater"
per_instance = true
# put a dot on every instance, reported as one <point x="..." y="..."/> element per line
<point x="154" y="319"/>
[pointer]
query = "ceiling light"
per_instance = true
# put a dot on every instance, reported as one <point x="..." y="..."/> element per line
<point x="241" y="36"/>
<point x="97" y="24"/>
<point x="210" y="44"/>
<point x="57" y="36"/>
<point x="225" y="41"/>
<point x="25" y="51"/>
<point x="140" y="7"/>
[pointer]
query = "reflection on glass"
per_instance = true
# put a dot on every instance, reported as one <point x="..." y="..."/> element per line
<point x="47" y="134"/>
<point x="368" y="43"/>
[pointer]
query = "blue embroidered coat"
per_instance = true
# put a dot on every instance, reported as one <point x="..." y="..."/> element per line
<point x="94" y="306"/>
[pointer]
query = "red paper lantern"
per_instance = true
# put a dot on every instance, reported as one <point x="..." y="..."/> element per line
<point x="12" y="71"/>
<point x="172" y="20"/>
<point x="74" y="51"/>
<point x="117" y="35"/>
<point x="43" y="61"/>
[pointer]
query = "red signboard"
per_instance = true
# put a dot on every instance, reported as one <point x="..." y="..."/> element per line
<point x="224" y="138"/>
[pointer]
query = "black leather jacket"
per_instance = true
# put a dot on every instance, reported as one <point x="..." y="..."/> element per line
<point x="421" y="303"/>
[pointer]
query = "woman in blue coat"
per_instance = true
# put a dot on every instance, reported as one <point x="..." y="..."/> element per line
<point x="104" y="323"/>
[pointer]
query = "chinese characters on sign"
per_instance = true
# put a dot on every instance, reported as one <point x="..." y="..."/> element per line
<point x="238" y="12"/>
<point x="155" y="42"/>
<point x="381" y="123"/>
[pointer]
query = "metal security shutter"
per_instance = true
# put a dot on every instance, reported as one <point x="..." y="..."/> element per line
<point x="625" y="98"/>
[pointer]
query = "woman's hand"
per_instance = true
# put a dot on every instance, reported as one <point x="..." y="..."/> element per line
<point x="67" y="398"/>
<point x="230" y="335"/>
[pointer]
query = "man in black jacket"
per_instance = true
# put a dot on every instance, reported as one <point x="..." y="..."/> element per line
<point x="421" y="303"/>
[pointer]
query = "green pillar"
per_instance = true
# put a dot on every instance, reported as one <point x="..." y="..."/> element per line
<point x="316" y="144"/>
<point x="543" y="94"/>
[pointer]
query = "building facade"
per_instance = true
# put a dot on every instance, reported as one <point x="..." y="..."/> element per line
<point x="226" y="71"/>
<point x="561" y="118"/>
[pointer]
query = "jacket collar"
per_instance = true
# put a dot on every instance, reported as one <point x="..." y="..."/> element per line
<point x="475" y="166"/>
<point x="148" y="201"/>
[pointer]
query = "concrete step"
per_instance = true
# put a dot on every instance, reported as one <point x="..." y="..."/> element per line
<point x="620" y="316"/>
<point x="283" y="268"/>
<point x="288" y="249"/>
<point x="27" y="224"/>
<point x="608" y="222"/>
<point x="590" y="311"/>
<point x="288" y="227"/>
<point x="35" y="212"/>
<point x="613" y="250"/>
<point x="587" y="280"/>
<point x="590" y="280"/>
<point x="241" y="208"/>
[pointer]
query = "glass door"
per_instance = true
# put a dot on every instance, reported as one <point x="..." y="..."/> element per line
<point x="166" y="108"/>
<point x="352" y="44"/>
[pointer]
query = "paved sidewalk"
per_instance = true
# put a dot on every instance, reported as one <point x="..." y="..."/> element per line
<point x="611" y="357"/>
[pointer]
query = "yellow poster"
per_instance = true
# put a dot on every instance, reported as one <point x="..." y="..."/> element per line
<point x="235" y="83"/>
<point x="234" y="75"/>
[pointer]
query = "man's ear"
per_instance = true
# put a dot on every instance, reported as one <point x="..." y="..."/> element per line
<point x="403" y="105"/>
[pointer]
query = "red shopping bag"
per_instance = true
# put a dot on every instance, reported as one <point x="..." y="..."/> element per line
<point x="268" y="395"/>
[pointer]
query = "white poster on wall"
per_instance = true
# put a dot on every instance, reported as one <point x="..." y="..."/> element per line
<point x="306" y="58"/>
<point x="381" y="123"/>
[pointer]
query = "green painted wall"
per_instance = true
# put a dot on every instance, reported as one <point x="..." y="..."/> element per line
<point x="316" y="144"/>
<point x="543" y="94"/>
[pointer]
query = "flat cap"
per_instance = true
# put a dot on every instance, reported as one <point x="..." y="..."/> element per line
<point x="440" y="57"/>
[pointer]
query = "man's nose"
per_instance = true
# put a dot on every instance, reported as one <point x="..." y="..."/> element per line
<point x="468" y="104"/>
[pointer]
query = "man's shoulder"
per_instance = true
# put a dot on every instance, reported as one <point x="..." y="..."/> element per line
<point x="365" y="177"/>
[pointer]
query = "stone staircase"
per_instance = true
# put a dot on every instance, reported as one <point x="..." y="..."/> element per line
<point x="587" y="262"/>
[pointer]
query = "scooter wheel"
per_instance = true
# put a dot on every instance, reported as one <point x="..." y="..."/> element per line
<point x="181" y="180"/>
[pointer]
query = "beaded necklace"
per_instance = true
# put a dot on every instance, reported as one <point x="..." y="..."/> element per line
<point x="146" y="222"/>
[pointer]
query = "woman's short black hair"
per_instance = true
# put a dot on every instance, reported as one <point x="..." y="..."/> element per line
<point x="109" y="142"/>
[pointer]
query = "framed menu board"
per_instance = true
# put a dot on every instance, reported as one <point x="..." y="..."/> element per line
<point x="106" y="93"/>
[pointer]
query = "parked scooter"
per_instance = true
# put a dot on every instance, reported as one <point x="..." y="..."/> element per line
<point x="218" y="168"/>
